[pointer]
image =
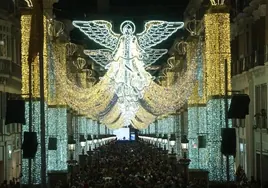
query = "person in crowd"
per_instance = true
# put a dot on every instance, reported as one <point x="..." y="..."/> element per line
<point x="127" y="165"/>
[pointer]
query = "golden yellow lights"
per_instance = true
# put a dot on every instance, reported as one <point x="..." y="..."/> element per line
<point x="88" y="101"/>
<point x="25" y="33"/>
<point x="191" y="58"/>
<point x="29" y="3"/>
<point x="217" y="2"/>
<point x="217" y="51"/>
<point x="169" y="99"/>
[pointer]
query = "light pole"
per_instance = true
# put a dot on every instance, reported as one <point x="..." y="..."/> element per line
<point x="165" y="142"/>
<point x="82" y="141"/>
<point x="89" y="142"/>
<point x="159" y="141"/>
<point x="172" y="155"/>
<point x="172" y="142"/>
<point x="71" y="162"/>
<point x="95" y="141"/>
<point x="185" y="161"/>
<point x="260" y="119"/>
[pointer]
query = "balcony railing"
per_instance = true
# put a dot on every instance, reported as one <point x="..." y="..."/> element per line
<point x="244" y="64"/>
<point x="9" y="68"/>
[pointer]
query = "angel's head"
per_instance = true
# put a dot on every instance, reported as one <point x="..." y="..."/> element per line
<point x="127" y="28"/>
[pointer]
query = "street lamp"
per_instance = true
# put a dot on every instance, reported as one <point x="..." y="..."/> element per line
<point x="184" y="161"/>
<point x="89" y="142"/>
<point x="172" y="142"/>
<point x="71" y="162"/>
<point x="82" y="141"/>
<point x="159" y="141"/>
<point x="71" y="146"/>
<point x="95" y="141"/>
<point x="165" y="141"/>
<point x="184" y="145"/>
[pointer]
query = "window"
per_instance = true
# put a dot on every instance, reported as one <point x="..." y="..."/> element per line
<point x="5" y="40"/>
<point x="261" y="100"/>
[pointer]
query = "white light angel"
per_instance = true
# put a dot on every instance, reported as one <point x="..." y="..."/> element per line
<point x="127" y="55"/>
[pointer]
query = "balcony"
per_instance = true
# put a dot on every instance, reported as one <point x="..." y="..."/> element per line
<point x="9" y="69"/>
<point x="244" y="64"/>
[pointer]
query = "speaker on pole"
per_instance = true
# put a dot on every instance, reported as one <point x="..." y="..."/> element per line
<point x="15" y="112"/>
<point x="29" y="145"/>
<point x="228" y="143"/>
<point x="52" y="143"/>
<point x="202" y="141"/>
<point x="239" y="107"/>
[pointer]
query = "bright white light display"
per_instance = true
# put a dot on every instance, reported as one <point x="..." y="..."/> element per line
<point x="152" y="128"/>
<point x="127" y="56"/>
<point x="122" y="133"/>
<point x="36" y="162"/>
<point x="197" y="126"/>
<point x="216" y="121"/>
<point x="102" y="129"/>
<point x="57" y="128"/>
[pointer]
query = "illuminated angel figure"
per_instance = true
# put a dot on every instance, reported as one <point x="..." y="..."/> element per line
<point x="127" y="54"/>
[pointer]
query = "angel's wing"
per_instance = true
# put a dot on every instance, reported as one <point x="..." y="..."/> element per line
<point x="102" y="56"/>
<point x="99" y="31"/>
<point x="152" y="55"/>
<point x="157" y="31"/>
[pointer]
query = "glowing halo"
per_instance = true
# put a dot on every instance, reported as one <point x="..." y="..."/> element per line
<point x="127" y="27"/>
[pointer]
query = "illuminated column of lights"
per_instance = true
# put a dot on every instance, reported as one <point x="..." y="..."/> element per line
<point x="82" y="125"/>
<point x="36" y="162"/>
<point x="166" y="125"/>
<point x="217" y="50"/>
<point x="192" y="47"/>
<point x="57" y="128"/>
<point x="193" y="126"/>
<point x="89" y="126"/>
<point x="203" y="154"/>
<point x="102" y="129"/>
<point x="82" y="129"/>
<point x="95" y="128"/>
<point x="25" y="33"/>
<point x="152" y="128"/>
<point x="177" y="130"/>
<point x="160" y="126"/>
<point x="52" y="97"/>
<point x="215" y="122"/>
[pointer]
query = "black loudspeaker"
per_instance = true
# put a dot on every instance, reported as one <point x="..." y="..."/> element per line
<point x="15" y="112"/>
<point x="52" y="144"/>
<point x="239" y="107"/>
<point x="29" y="145"/>
<point x="202" y="141"/>
<point x="228" y="143"/>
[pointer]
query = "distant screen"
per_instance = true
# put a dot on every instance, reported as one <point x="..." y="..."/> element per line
<point x="122" y="133"/>
<point x="132" y="136"/>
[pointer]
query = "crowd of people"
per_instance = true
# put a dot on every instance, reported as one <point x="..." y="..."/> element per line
<point x="128" y="165"/>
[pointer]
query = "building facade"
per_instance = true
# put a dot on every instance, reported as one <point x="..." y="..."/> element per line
<point x="250" y="76"/>
<point x="10" y="82"/>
